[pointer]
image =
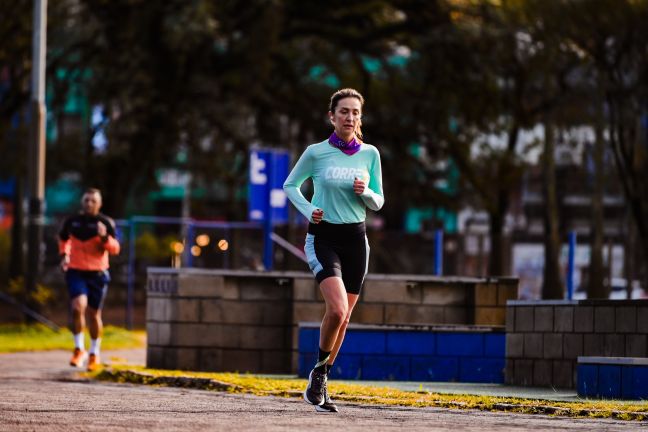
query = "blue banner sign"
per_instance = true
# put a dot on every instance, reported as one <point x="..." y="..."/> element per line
<point x="268" y="171"/>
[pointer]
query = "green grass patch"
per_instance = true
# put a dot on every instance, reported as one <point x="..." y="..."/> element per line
<point x="264" y="386"/>
<point x="37" y="337"/>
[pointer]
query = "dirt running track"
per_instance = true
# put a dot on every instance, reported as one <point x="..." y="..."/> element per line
<point x="39" y="393"/>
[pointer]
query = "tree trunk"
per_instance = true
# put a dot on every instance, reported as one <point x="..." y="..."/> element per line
<point x="596" y="287"/>
<point x="17" y="258"/>
<point x="495" y="257"/>
<point x="497" y="214"/>
<point x="552" y="285"/>
<point x="631" y="169"/>
<point x="629" y="254"/>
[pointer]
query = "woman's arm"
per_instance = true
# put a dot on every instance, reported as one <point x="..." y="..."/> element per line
<point x="302" y="170"/>
<point x="373" y="196"/>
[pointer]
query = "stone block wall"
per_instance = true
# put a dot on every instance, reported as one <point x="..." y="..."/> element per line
<point x="226" y="320"/>
<point x="545" y="338"/>
<point x="412" y="300"/>
<point x="409" y="299"/>
<point x="204" y="321"/>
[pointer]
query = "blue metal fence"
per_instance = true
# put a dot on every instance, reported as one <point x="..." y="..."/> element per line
<point x="189" y="224"/>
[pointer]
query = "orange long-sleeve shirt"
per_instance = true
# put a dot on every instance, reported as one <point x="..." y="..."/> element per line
<point x="79" y="239"/>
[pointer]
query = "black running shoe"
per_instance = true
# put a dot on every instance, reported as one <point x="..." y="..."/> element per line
<point x="328" y="405"/>
<point x="316" y="390"/>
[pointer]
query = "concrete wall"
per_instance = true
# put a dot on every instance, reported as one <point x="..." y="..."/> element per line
<point x="218" y="320"/>
<point x="202" y="321"/>
<point x="545" y="338"/>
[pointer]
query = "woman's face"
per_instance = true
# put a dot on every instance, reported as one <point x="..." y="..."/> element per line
<point x="347" y="117"/>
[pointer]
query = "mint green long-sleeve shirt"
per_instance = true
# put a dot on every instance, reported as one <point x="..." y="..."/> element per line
<point x="333" y="173"/>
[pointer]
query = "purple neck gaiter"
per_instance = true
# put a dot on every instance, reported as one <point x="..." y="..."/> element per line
<point x="349" y="148"/>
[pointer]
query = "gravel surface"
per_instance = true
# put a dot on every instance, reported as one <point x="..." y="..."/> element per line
<point x="38" y="392"/>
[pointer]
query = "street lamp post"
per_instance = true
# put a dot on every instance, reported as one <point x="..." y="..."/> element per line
<point x="36" y="158"/>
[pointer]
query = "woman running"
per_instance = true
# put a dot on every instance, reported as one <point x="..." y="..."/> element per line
<point x="347" y="179"/>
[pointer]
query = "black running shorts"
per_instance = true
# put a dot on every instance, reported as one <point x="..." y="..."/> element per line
<point x="340" y="250"/>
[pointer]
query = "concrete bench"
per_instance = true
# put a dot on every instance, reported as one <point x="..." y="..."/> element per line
<point x="247" y="321"/>
<point x="613" y="377"/>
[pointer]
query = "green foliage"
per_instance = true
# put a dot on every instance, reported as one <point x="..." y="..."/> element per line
<point x="42" y="296"/>
<point x="20" y="337"/>
<point x="207" y="78"/>
<point x="146" y="246"/>
<point x="151" y="247"/>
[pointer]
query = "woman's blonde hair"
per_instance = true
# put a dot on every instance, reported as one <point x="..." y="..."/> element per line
<point x="345" y="93"/>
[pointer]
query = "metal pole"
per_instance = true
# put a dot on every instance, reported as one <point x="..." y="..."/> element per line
<point x="131" y="275"/>
<point x="480" y="251"/>
<point x="438" y="252"/>
<point x="36" y="168"/>
<point x="189" y="245"/>
<point x="226" y="253"/>
<point x="185" y="233"/>
<point x="267" y="240"/>
<point x="570" y="265"/>
<point x="267" y="220"/>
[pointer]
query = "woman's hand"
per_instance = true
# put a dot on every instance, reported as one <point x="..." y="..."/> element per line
<point x="317" y="216"/>
<point x="358" y="186"/>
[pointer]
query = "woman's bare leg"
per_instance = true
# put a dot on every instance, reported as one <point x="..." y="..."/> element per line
<point x="352" y="299"/>
<point x="337" y="309"/>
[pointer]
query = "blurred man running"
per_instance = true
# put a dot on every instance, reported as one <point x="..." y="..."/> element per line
<point x="85" y="241"/>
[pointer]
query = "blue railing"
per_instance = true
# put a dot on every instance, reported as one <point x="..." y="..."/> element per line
<point x="189" y="224"/>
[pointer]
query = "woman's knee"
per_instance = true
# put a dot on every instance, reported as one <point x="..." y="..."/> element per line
<point x="338" y="314"/>
<point x="347" y="319"/>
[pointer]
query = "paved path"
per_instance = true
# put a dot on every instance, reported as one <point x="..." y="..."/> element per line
<point x="38" y="393"/>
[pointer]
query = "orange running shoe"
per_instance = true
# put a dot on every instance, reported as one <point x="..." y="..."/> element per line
<point x="93" y="363"/>
<point x="78" y="357"/>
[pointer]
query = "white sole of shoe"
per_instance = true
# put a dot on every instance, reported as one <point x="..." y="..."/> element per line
<point x="319" y="408"/>
<point x="306" y="399"/>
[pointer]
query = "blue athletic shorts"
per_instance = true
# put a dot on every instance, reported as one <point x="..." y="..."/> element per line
<point x="93" y="284"/>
